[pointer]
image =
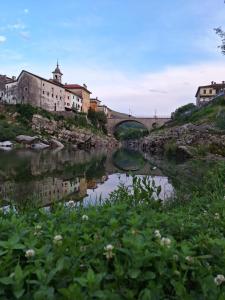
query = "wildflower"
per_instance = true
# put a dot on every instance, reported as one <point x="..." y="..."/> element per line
<point x="71" y="203"/>
<point x="165" y="242"/>
<point x="85" y="218"/>
<point x="38" y="230"/>
<point x="219" y="279"/>
<point x="83" y="248"/>
<point x="30" y="253"/>
<point x="189" y="259"/>
<point x="216" y="216"/>
<point x="154" y="168"/>
<point x="157" y="234"/>
<point x="109" y="251"/>
<point x="57" y="240"/>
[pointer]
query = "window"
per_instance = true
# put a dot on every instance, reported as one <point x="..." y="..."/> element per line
<point x="43" y="92"/>
<point x="68" y="97"/>
<point x="56" y="96"/>
<point x="210" y="91"/>
<point x="204" y="91"/>
<point x="52" y="95"/>
<point x="43" y="84"/>
<point x="68" y="104"/>
<point x="60" y="98"/>
<point x="47" y="93"/>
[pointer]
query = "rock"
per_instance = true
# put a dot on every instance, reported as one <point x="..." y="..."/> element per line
<point x="6" y="144"/>
<point x="26" y="139"/>
<point x="39" y="146"/>
<point x="56" y="144"/>
<point x="184" y="152"/>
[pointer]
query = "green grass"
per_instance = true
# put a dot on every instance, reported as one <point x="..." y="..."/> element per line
<point x="140" y="265"/>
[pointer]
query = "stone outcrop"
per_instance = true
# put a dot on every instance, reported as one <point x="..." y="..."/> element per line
<point x="75" y="136"/>
<point x="185" y="138"/>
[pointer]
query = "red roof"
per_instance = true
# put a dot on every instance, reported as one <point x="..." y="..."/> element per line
<point x="76" y="86"/>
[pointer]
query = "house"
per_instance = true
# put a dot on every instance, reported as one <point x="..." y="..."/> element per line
<point x="3" y="80"/>
<point x="105" y="109"/>
<point x="206" y="93"/>
<point x="82" y="92"/>
<point x="94" y="103"/>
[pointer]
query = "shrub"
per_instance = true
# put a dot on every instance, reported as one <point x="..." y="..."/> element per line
<point x="220" y="119"/>
<point x="183" y="112"/>
<point x="170" y="149"/>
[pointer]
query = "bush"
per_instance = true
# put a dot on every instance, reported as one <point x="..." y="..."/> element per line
<point x="183" y="112"/>
<point x="220" y="120"/>
<point x="170" y="149"/>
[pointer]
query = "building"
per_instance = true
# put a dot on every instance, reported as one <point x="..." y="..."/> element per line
<point x="206" y="93"/>
<point x="94" y="103"/>
<point x="3" y="80"/>
<point x="51" y="95"/>
<point x="105" y="109"/>
<point x="82" y="92"/>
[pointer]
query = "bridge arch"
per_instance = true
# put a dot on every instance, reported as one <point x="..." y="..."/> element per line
<point x="149" y="123"/>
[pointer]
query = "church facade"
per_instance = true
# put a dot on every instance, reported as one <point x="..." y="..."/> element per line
<point x="51" y="95"/>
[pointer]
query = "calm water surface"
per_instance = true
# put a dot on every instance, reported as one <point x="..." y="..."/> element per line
<point x="29" y="177"/>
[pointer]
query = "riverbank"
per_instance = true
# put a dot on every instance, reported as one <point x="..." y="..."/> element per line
<point x="131" y="247"/>
<point x="24" y="125"/>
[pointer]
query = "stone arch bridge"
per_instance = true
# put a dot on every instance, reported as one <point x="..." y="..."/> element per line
<point x="149" y="123"/>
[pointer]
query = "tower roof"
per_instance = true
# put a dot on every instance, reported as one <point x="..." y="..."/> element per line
<point x="57" y="69"/>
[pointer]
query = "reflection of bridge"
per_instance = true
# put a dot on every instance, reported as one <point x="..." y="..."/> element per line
<point x="149" y="123"/>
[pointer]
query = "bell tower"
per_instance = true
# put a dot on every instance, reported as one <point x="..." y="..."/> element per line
<point x="57" y="74"/>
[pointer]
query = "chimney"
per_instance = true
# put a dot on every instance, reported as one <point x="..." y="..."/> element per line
<point x="223" y="82"/>
<point x="84" y="85"/>
<point x="212" y="82"/>
<point x="14" y="78"/>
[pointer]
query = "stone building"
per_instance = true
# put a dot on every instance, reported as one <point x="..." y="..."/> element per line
<point x="51" y="95"/>
<point x="3" y="80"/>
<point x="206" y="93"/>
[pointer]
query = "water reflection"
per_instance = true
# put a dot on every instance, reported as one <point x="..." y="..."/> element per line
<point x="38" y="178"/>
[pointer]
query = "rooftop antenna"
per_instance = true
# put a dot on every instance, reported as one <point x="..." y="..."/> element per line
<point x="155" y="113"/>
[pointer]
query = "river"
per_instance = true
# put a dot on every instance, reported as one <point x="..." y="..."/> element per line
<point x="37" y="178"/>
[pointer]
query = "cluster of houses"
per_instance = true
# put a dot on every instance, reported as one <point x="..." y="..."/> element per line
<point x="51" y="95"/>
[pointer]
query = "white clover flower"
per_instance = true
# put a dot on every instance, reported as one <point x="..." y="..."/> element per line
<point x="58" y="239"/>
<point x="85" y="218"/>
<point x="157" y="234"/>
<point x="165" y="242"/>
<point x="38" y="227"/>
<point x="175" y="257"/>
<point x="30" y="253"/>
<point x="109" y="247"/>
<point x="189" y="259"/>
<point x="216" y="216"/>
<point x="219" y="279"/>
<point x="71" y="203"/>
<point x="109" y="251"/>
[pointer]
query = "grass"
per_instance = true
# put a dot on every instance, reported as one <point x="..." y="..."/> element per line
<point x="71" y="259"/>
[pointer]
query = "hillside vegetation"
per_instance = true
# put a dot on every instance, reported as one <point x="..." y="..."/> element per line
<point x="213" y="114"/>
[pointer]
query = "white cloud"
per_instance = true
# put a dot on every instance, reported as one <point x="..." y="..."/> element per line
<point x="163" y="91"/>
<point x="2" y="39"/>
<point x="26" y="10"/>
<point x="17" y="26"/>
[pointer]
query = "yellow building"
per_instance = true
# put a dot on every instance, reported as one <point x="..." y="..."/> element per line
<point x="82" y="92"/>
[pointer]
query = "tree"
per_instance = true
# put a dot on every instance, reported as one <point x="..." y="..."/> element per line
<point x="221" y="34"/>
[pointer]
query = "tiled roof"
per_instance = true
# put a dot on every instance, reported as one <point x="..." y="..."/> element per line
<point x="76" y="87"/>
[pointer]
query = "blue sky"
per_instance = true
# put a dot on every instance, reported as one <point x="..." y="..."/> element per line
<point x="124" y="50"/>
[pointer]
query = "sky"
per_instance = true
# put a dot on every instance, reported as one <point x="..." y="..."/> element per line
<point x="143" y="57"/>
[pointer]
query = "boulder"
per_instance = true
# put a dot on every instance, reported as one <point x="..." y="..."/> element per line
<point x="6" y="144"/>
<point x="56" y="144"/>
<point x="26" y="139"/>
<point x="39" y="146"/>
